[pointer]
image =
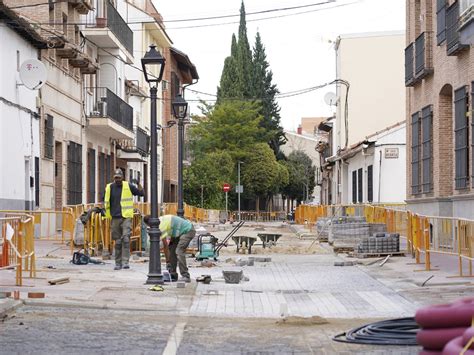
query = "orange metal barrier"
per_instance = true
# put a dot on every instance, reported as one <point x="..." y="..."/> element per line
<point x="17" y="245"/>
<point x="425" y="235"/>
<point x="50" y="225"/>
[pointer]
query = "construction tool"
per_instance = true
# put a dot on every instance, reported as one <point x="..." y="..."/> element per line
<point x="208" y="246"/>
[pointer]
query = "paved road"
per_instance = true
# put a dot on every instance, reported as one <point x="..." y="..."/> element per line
<point x="50" y="330"/>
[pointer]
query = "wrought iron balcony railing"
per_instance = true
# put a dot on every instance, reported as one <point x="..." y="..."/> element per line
<point x="104" y="103"/>
<point x="424" y="55"/>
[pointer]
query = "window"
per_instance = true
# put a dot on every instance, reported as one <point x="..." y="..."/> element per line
<point x="359" y="184"/>
<point x="441" y="21"/>
<point x="102" y="181"/>
<point x="415" y="153"/>
<point x="370" y="183"/>
<point x="174" y="87"/>
<point x="354" y="186"/>
<point x="37" y="182"/>
<point x="472" y="132"/>
<point x="91" y="176"/>
<point x="427" y="129"/>
<point x="51" y="11"/>
<point x="461" y="138"/>
<point x="48" y="137"/>
<point x="74" y="174"/>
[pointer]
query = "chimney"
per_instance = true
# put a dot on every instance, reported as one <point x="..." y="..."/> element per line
<point x="300" y="130"/>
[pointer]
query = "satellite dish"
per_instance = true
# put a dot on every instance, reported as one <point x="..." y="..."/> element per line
<point x="330" y="99"/>
<point x="33" y="74"/>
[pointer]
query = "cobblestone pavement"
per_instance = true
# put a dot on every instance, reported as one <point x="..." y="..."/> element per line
<point x="101" y="310"/>
<point x="50" y="330"/>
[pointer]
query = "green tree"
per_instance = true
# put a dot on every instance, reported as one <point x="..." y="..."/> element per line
<point x="301" y="176"/>
<point x="232" y="126"/>
<point x="228" y="86"/>
<point x="265" y="91"/>
<point x="206" y="175"/>
<point x="263" y="174"/>
<point x="244" y="58"/>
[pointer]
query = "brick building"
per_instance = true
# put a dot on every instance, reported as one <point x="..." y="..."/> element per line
<point x="439" y="78"/>
<point x="179" y="73"/>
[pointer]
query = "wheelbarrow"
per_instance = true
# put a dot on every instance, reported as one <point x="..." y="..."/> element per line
<point x="244" y="242"/>
<point x="268" y="238"/>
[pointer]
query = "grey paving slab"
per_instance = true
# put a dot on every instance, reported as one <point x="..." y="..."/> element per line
<point x="305" y="285"/>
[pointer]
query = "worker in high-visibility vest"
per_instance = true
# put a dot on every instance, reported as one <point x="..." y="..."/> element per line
<point x="118" y="202"/>
<point x="178" y="232"/>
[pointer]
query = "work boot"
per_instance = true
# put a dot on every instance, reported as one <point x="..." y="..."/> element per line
<point x="126" y="266"/>
<point x="185" y="279"/>
<point x="117" y="267"/>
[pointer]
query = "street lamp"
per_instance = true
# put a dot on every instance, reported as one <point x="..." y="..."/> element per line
<point x="153" y="65"/>
<point x="180" y="108"/>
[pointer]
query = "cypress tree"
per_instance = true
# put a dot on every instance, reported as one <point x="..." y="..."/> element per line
<point x="265" y="91"/>
<point x="244" y="58"/>
<point x="228" y="87"/>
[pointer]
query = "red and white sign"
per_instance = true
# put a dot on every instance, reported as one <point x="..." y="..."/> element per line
<point x="226" y="187"/>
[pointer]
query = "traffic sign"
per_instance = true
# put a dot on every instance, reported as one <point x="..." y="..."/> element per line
<point x="239" y="189"/>
<point x="226" y="187"/>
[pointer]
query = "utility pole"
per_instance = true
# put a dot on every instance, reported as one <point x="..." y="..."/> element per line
<point x="202" y="196"/>
<point x="239" y="188"/>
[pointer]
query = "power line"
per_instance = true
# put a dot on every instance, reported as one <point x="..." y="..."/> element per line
<point x="262" y="19"/>
<point x="34" y="5"/>
<point x="251" y="13"/>
<point x="207" y="25"/>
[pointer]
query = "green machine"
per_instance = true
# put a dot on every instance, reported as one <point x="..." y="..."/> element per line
<point x="209" y="246"/>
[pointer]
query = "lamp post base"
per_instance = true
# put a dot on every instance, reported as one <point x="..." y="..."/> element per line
<point x="154" y="279"/>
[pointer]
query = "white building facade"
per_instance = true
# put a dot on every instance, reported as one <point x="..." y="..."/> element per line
<point x="20" y="121"/>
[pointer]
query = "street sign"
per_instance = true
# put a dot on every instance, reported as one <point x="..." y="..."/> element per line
<point x="226" y="187"/>
<point x="239" y="189"/>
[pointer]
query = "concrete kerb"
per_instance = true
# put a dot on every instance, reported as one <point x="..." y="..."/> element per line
<point x="8" y="305"/>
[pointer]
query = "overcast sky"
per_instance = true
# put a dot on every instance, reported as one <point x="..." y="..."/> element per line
<point x="299" y="47"/>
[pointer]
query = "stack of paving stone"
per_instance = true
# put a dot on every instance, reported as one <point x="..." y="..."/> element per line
<point x="324" y="226"/>
<point x="380" y="243"/>
<point x="348" y="231"/>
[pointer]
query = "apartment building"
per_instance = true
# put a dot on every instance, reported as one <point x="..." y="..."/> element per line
<point x="369" y="98"/>
<point x="439" y="74"/>
<point x="179" y="73"/>
<point x="19" y="126"/>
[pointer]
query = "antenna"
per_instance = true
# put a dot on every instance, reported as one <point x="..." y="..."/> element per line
<point x="33" y="74"/>
<point x="330" y="99"/>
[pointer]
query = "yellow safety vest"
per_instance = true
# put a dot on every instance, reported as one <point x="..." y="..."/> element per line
<point x="126" y="201"/>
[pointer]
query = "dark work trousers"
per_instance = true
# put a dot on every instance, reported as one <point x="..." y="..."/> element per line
<point x="177" y="249"/>
<point x="121" y="231"/>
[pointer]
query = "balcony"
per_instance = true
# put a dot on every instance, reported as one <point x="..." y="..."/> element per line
<point x="69" y="51"/>
<point x="106" y="28"/>
<point x="409" y="65"/>
<point x="466" y="22"/>
<point x="82" y="6"/>
<point x="108" y="114"/>
<point x="424" y="55"/>
<point x="134" y="150"/>
<point x="453" y="42"/>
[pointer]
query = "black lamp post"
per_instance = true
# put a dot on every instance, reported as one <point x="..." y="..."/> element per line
<point x="153" y="65"/>
<point x="180" y="108"/>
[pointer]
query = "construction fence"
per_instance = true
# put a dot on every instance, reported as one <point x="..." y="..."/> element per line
<point x="425" y="236"/>
<point x="17" y="248"/>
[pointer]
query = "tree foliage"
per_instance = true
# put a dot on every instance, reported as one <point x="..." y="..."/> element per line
<point x="233" y="126"/>
<point x="263" y="173"/>
<point x="301" y="174"/>
<point x="207" y="174"/>
<point x="265" y="90"/>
